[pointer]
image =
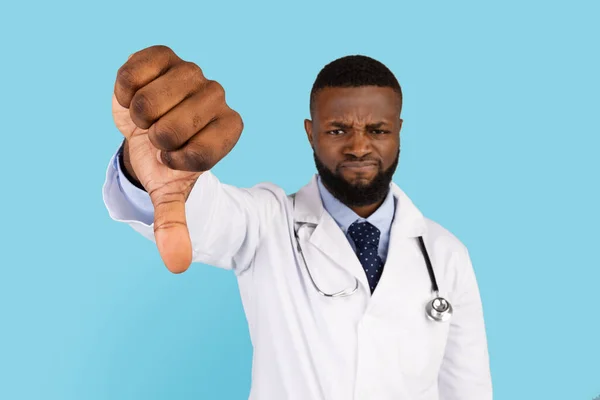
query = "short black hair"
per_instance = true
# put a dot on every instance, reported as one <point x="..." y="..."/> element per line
<point x="354" y="71"/>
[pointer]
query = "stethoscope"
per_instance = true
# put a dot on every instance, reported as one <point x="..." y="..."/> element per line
<point x="438" y="309"/>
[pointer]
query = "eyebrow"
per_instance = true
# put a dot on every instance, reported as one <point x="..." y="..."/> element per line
<point x="342" y="125"/>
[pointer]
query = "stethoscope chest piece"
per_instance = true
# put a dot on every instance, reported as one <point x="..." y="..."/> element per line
<point x="439" y="310"/>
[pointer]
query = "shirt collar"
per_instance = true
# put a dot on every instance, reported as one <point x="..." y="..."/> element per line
<point x="344" y="216"/>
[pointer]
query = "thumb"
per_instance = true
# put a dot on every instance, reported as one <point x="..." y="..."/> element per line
<point x="171" y="231"/>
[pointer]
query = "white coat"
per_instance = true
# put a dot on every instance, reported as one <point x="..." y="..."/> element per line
<point x="361" y="347"/>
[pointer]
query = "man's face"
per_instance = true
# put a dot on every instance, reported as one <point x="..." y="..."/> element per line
<point x="355" y="135"/>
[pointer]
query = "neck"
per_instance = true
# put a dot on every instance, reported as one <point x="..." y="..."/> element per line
<point x="366" y="211"/>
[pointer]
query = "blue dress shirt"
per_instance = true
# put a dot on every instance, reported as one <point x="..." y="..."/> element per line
<point x="382" y="218"/>
<point x="138" y="198"/>
<point x="344" y="216"/>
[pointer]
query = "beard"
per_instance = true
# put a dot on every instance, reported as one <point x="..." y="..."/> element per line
<point x="357" y="195"/>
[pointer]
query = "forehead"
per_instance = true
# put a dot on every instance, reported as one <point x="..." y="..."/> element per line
<point x="357" y="102"/>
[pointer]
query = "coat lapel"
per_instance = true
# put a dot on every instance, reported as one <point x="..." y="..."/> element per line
<point x="404" y="271"/>
<point x="324" y="235"/>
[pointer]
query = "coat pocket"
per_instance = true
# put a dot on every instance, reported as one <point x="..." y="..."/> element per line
<point x="421" y="349"/>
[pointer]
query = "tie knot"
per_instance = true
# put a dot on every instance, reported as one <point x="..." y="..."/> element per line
<point x="364" y="234"/>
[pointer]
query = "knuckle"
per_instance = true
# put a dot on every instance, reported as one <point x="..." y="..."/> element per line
<point x="142" y="107"/>
<point x="193" y="73"/>
<point x="238" y="123"/>
<point x="216" y="89"/>
<point x="126" y="78"/>
<point x="233" y="121"/>
<point x="197" y="160"/>
<point x="192" y="68"/>
<point x="162" y="48"/>
<point x="165" y="136"/>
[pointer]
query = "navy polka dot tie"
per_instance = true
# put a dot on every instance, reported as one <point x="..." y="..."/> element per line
<point x="366" y="239"/>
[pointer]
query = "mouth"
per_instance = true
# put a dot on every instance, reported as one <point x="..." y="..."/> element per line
<point x="359" y="166"/>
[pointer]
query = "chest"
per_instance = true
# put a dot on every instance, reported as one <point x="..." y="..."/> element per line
<point x="290" y="276"/>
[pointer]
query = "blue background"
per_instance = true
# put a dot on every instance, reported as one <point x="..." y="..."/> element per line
<point x="500" y="145"/>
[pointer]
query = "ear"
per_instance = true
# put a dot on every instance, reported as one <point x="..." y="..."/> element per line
<point x="309" y="132"/>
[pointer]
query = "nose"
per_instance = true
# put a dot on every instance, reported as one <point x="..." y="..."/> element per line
<point x="359" y="144"/>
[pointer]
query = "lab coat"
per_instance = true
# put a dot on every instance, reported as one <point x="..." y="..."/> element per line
<point x="361" y="347"/>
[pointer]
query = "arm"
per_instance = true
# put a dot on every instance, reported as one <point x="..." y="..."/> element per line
<point x="177" y="127"/>
<point x="465" y="372"/>
<point x="225" y="222"/>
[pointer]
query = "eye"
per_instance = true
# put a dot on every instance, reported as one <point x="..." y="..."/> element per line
<point x="378" y="131"/>
<point x="335" y="132"/>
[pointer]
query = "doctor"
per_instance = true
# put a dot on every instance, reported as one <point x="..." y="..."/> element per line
<point x="336" y="280"/>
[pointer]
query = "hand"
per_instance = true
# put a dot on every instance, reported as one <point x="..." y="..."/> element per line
<point x="177" y="125"/>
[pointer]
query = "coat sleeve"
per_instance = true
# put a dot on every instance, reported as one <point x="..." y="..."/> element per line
<point x="225" y="222"/>
<point x="465" y="371"/>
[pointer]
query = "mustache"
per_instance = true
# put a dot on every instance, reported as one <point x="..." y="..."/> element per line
<point x="351" y="158"/>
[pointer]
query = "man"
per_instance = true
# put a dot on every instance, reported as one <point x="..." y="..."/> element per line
<point x="333" y="279"/>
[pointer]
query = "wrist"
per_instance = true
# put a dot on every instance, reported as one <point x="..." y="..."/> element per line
<point x="127" y="168"/>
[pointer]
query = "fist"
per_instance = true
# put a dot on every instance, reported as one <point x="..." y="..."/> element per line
<point x="177" y="125"/>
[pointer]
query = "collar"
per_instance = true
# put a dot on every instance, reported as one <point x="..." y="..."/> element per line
<point x="344" y="216"/>
<point x="309" y="208"/>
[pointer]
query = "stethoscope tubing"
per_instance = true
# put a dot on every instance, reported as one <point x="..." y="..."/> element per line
<point x="434" y="284"/>
<point x="438" y="309"/>
<point x="342" y="293"/>
<point x="338" y="294"/>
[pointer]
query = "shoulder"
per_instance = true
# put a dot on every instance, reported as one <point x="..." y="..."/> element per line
<point x="450" y="258"/>
<point x="436" y="236"/>
<point x="262" y="191"/>
<point x="262" y="201"/>
<point x="269" y="190"/>
<point x="446" y="248"/>
<point x="440" y="236"/>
